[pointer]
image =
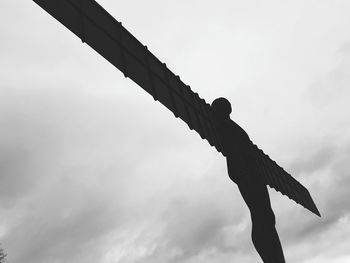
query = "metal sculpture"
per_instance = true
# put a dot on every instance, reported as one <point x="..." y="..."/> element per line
<point x="97" y="28"/>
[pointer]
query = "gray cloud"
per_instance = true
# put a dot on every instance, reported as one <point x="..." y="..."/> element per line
<point x="61" y="230"/>
<point x="200" y="227"/>
<point x="46" y="178"/>
<point x="313" y="158"/>
<point x="329" y="184"/>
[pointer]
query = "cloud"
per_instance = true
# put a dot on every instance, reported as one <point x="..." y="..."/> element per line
<point x="58" y="232"/>
<point x="328" y="184"/>
<point x="65" y="178"/>
<point x="214" y="223"/>
<point x="332" y="86"/>
<point x="200" y="227"/>
<point x="314" y="157"/>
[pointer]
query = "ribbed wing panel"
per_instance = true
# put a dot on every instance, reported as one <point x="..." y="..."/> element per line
<point x="277" y="178"/>
<point x="95" y="26"/>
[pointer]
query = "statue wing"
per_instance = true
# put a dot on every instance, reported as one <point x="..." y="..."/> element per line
<point x="96" y="27"/>
<point x="276" y="177"/>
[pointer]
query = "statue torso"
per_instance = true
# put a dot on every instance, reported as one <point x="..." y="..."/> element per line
<point x="236" y="147"/>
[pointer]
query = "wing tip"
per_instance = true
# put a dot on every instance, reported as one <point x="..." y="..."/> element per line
<point x="316" y="212"/>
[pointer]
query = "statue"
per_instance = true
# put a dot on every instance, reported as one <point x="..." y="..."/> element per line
<point x="248" y="166"/>
<point x="237" y="148"/>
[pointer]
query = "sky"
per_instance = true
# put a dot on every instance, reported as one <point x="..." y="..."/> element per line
<point x="93" y="170"/>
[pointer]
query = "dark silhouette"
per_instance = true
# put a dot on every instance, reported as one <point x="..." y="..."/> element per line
<point x="248" y="166"/>
<point x="237" y="148"/>
<point x="97" y="28"/>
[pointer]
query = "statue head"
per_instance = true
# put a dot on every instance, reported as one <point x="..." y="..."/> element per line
<point x="221" y="108"/>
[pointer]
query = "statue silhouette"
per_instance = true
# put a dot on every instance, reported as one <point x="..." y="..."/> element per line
<point x="248" y="166"/>
<point x="237" y="149"/>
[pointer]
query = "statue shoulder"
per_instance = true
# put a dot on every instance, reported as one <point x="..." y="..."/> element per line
<point x="239" y="129"/>
<point x="230" y="128"/>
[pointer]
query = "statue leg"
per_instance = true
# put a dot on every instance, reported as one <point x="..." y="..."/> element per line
<point x="264" y="234"/>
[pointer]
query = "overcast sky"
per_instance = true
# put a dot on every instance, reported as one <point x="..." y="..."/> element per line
<point x="92" y="170"/>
